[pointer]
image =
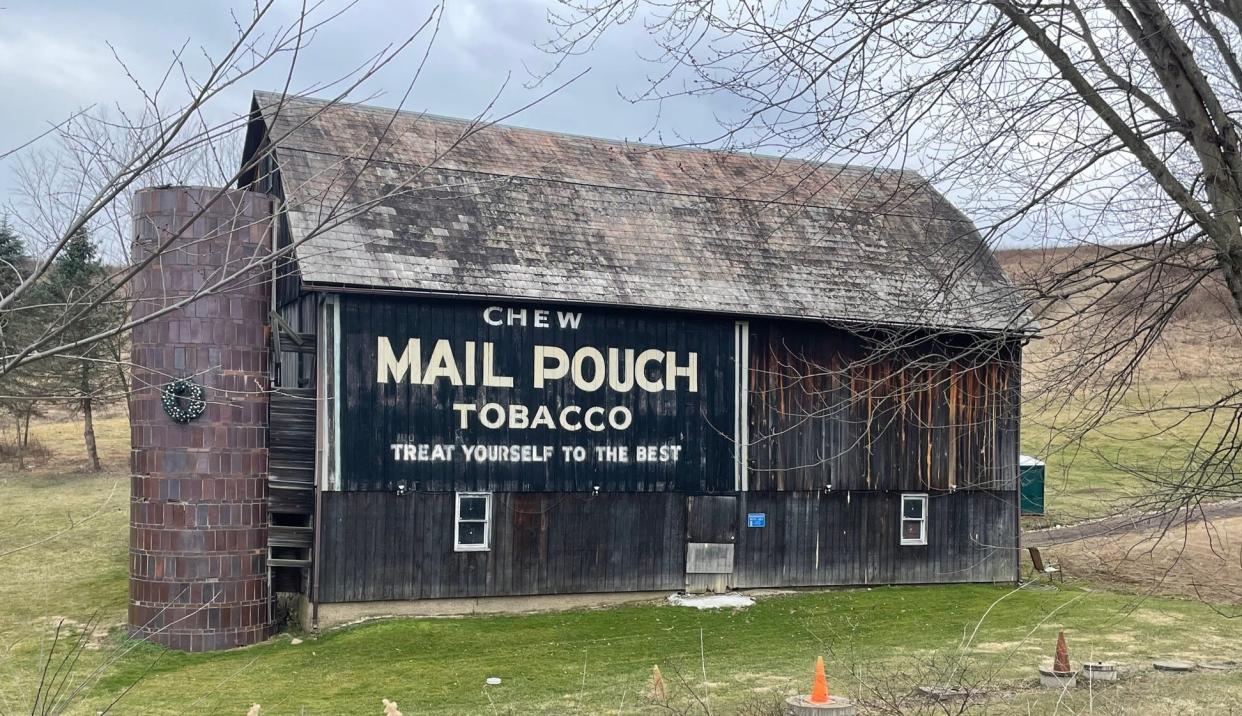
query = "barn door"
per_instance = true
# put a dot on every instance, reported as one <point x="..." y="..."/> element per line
<point x="711" y="530"/>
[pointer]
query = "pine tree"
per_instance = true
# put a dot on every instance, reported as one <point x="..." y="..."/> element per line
<point x="13" y="258"/>
<point x="21" y="390"/>
<point x="77" y="279"/>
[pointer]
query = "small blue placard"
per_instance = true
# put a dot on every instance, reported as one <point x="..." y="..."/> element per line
<point x="756" y="519"/>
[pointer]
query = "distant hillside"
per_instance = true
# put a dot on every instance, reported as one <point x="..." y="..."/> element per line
<point x="1202" y="340"/>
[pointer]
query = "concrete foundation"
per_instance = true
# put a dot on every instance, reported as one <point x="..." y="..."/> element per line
<point x="1099" y="671"/>
<point x="334" y="615"/>
<point x="1050" y="679"/>
<point x="836" y="706"/>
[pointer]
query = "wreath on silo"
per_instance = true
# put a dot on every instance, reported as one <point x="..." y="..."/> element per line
<point x="192" y="392"/>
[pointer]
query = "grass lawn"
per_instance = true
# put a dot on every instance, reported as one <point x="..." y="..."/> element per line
<point x="1099" y="473"/>
<point x="579" y="662"/>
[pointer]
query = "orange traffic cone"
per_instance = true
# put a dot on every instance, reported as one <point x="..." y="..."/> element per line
<point x="1060" y="661"/>
<point x="819" y="687"/>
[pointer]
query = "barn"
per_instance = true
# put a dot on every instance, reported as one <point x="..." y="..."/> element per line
<point x="506" y="363"/>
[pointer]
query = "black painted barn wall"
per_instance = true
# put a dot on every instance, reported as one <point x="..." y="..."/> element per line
<point x="374" y="415"/>
<point x="841" y="425"/>
<point x="849" y="538"/>
<point x="939" y="416"/>
<point x="379" y="545"/>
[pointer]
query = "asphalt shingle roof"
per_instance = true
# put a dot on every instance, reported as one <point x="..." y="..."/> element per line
<point x="416" y="202"/>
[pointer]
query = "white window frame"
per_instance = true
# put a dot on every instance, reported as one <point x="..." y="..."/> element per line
<point x="487" y="523"/>
<point x="901" y="525"/>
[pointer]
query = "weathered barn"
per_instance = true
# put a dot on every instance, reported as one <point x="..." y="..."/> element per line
<point x="508" y="362"/>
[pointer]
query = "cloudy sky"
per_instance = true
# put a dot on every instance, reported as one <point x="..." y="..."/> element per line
<point x="58" y="57"/>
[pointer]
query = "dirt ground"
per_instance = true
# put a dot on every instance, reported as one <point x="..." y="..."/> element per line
<point x="1200" y="560"/>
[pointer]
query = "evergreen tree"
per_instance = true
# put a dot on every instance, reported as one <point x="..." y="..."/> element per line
<point x="13" y="258"/>
<point x="84" y="375"/>
<point x="21" y="390"/>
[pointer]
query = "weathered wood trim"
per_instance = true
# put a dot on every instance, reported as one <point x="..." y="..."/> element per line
<point x="741" y="436"/>
<point x="334" y="476"/>
<point x="328" y="433"/>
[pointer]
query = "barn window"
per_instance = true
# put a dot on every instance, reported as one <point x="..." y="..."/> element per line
<point x="914" y="519"/>
<point x="474" y="522"/>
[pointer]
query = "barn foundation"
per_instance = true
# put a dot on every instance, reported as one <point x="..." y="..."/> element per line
<point x="198" y="503"/>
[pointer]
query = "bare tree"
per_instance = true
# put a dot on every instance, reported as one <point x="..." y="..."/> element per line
<point x="1106" y="131"/>
<point x="78" y="177"/>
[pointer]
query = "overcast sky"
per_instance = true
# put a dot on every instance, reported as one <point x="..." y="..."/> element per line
<point x="55" y="58"/>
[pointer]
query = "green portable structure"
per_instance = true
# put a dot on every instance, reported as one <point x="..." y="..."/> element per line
<point x="1031" y="480"/>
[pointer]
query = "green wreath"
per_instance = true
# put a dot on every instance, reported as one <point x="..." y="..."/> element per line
<point x="193" y="394"/>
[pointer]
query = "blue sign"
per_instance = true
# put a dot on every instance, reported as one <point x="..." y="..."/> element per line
<point x="756" y="519"/>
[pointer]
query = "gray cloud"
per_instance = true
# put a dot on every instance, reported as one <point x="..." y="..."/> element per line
<point x="56" y="58"/>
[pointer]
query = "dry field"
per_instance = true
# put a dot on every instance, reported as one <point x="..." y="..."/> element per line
<point x="1202" y="343"/>
<point x="1197" y="561"/>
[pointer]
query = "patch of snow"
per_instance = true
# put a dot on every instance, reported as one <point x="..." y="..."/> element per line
<point x="732" y="600"/>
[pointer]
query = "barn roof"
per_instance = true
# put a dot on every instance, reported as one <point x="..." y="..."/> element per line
<point x="410" y="201"/>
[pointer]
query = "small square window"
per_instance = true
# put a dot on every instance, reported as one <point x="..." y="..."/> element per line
<point x="912" y="509"/>
<point x="471" y="534"/>
<point x="473" y="526"/>
<point x="911" y="529"/>
<point x="473" y="508"/>
<point x="913" y="519"/>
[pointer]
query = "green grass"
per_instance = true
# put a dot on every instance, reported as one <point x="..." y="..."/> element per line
<point x="590" y="661"/>
<point x="73" y="568"/>
<point x="1103" y="471"/>
<point x="578" y="662"/>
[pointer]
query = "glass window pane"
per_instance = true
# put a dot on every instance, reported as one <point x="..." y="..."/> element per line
<point x="473" y="508"/>
<point x="470" y="533"/>
<point x="911" y="529"/>
<point x="913" y="509"/>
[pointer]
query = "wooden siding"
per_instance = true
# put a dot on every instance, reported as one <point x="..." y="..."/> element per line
<point x="827" y="409"/>
<point x="824" y="539"/>
<point x="375" y="415"/>
<point x="267" y="179"/>
<point x="711" y="518"/>
<point x="291" y="487"/>
<point x="295" y="365"/>
<point x="291" y="436"/>
<point x="382" y="546"/>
